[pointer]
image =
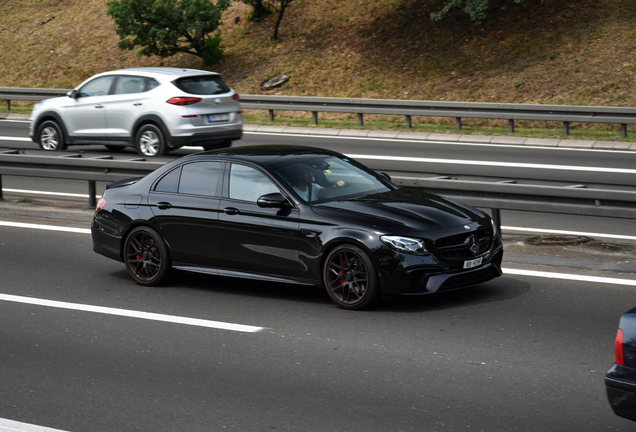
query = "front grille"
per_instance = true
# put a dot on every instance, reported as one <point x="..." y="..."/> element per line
<point x="457" y="247"/>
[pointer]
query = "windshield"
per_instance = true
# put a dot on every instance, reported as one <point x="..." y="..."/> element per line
<point x="328" y="177"/>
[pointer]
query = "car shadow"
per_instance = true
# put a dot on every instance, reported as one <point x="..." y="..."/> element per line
<point x="500" y="289"/>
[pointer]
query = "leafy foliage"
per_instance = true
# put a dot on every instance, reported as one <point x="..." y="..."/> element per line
<point x="476" y="9"/>
<point x="168" y="27"/>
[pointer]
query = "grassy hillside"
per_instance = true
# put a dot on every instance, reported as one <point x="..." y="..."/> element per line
<point x="542" y="51"/>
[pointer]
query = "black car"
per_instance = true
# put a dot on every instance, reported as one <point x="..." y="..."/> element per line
<point x="296" y="215"/>
<point x="620" y="380"/>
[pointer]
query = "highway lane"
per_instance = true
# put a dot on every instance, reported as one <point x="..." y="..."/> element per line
<point x="516" y="354"/>
<point x="447" y="151"/>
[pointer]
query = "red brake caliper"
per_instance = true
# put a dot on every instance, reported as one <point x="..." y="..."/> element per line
<point x="344" y="263"/>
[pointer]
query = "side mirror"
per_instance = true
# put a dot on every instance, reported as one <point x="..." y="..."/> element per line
<point x="386" y="176"/>
<point x="73" y="94"/>
<point x="273" y="200"/>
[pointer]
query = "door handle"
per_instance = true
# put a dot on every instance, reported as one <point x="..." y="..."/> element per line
<point x="231" y="211"/>
<point x="99" y="106"/>
<point x="164" y="205"/>
<point x="137" y="104"/>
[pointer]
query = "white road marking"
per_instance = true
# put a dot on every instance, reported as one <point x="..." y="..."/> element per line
<point x="45" y="227"/>
<point x="575" y="233"/>
<point x="15" y="139"/>
<point x="495" y="164"/>
<point x="132" y="314"/>
<point x="32" y="192"/>
<point x="571" y="277"/>
<point x="14" y="426"/>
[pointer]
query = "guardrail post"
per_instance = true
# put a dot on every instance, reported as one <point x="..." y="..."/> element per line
<point x="1" y="198"/>
<point x="314" y="117"/>
<point x="566" y="128"/>
<point x="271" y="115"/>
<point x="496" y="218"/>
<point x="408" y="122"/>
<point x="511" y="126"/>
<point x="623" y="130"/>
<point x="458" y="123"/>
<point x="360" y="119"/>
<point x="92" y="201"/>
<point x="8" y="105"/>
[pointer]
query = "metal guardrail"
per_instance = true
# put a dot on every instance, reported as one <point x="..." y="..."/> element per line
<point x="407" y="108"/>
<point x="499" y="195"/>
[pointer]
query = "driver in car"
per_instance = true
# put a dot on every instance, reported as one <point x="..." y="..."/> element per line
<point x="303" y="183"/>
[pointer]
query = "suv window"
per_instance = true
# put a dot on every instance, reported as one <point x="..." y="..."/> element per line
<point x="202" y="85"/>
<point x="97" y="87"/>
<point x="129" y="84"/>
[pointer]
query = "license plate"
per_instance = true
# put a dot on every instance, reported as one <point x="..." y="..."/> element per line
<point x="215" y="118"/>
<point x="472" y="263"/>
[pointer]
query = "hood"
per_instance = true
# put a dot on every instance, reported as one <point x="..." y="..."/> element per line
<point x="404" y="210"/>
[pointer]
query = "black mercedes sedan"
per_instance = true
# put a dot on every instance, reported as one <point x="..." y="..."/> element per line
<point x="620" y="379"/>
<point x="294" y="214"/>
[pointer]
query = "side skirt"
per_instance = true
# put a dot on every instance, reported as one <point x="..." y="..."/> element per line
<point x="244" y="275"/>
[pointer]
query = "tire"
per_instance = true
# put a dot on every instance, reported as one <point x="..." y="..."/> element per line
<point x="146" y="256"/>
<point x="51" y="136"/>
<point x="350" y="278"/>
<point x="150" y="141"/>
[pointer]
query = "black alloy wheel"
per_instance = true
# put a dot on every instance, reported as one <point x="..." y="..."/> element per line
<point x="146" y="256"/>
<point x="350" y="278"/>
<point x="51" y="136"/>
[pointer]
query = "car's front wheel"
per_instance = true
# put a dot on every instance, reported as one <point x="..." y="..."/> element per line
<point x="350" y="278"/>
<point x="146" y="256"/>
<point x="51" y="136"/>
<point x="150" y="141"/>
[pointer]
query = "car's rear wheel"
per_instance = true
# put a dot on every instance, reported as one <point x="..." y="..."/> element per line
<point x="350" y="278"/>
<point x="146" y="256"/>
<point x="51" y="136"/>
<point x="150" y="141"/>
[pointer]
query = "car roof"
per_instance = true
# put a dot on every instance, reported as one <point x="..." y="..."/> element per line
<point x="268" y="155"/>
<point x="160" y="72"/>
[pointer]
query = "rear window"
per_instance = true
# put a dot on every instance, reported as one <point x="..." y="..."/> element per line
<point x="202" y="85"/>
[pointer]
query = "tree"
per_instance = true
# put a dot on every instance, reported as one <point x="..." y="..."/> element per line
<point x="168" y="27"/>
<point x="259" y="9"/>
<point x="280" y="6"/>
<point x="476" y="9"/>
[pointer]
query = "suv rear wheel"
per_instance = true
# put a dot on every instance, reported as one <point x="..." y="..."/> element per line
<point x="150" y="141"/>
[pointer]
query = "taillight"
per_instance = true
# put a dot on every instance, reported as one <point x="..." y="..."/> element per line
<point x="100" y="204"/>
<point x="618" y="348"/>
<point x="183" y="100"/>
<point x="235" y="96"/>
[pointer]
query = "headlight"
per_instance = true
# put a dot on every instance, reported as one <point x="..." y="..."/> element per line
<point x="494" y="228"/>
<point x="406" y="244"/>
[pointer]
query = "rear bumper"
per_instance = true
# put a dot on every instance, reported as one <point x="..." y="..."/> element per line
<point x="621" y="392"/>
<point x="206" y="137"/>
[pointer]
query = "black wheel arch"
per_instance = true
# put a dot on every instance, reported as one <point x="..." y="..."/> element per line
<point x="151" y="119"/>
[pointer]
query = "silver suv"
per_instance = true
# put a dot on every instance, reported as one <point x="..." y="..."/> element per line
<point x="152" y="109"/>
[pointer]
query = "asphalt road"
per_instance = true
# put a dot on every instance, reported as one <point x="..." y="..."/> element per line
<point x="516" y="354"/>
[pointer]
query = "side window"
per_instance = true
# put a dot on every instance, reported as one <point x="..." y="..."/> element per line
<point x="170" y="182"/>
<point x="97" y="87"/>
<point x="248" y="184"/>
<point x="151" y="83"/>
<point x="201" y="178"/>
<point x="129" y="85"/>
